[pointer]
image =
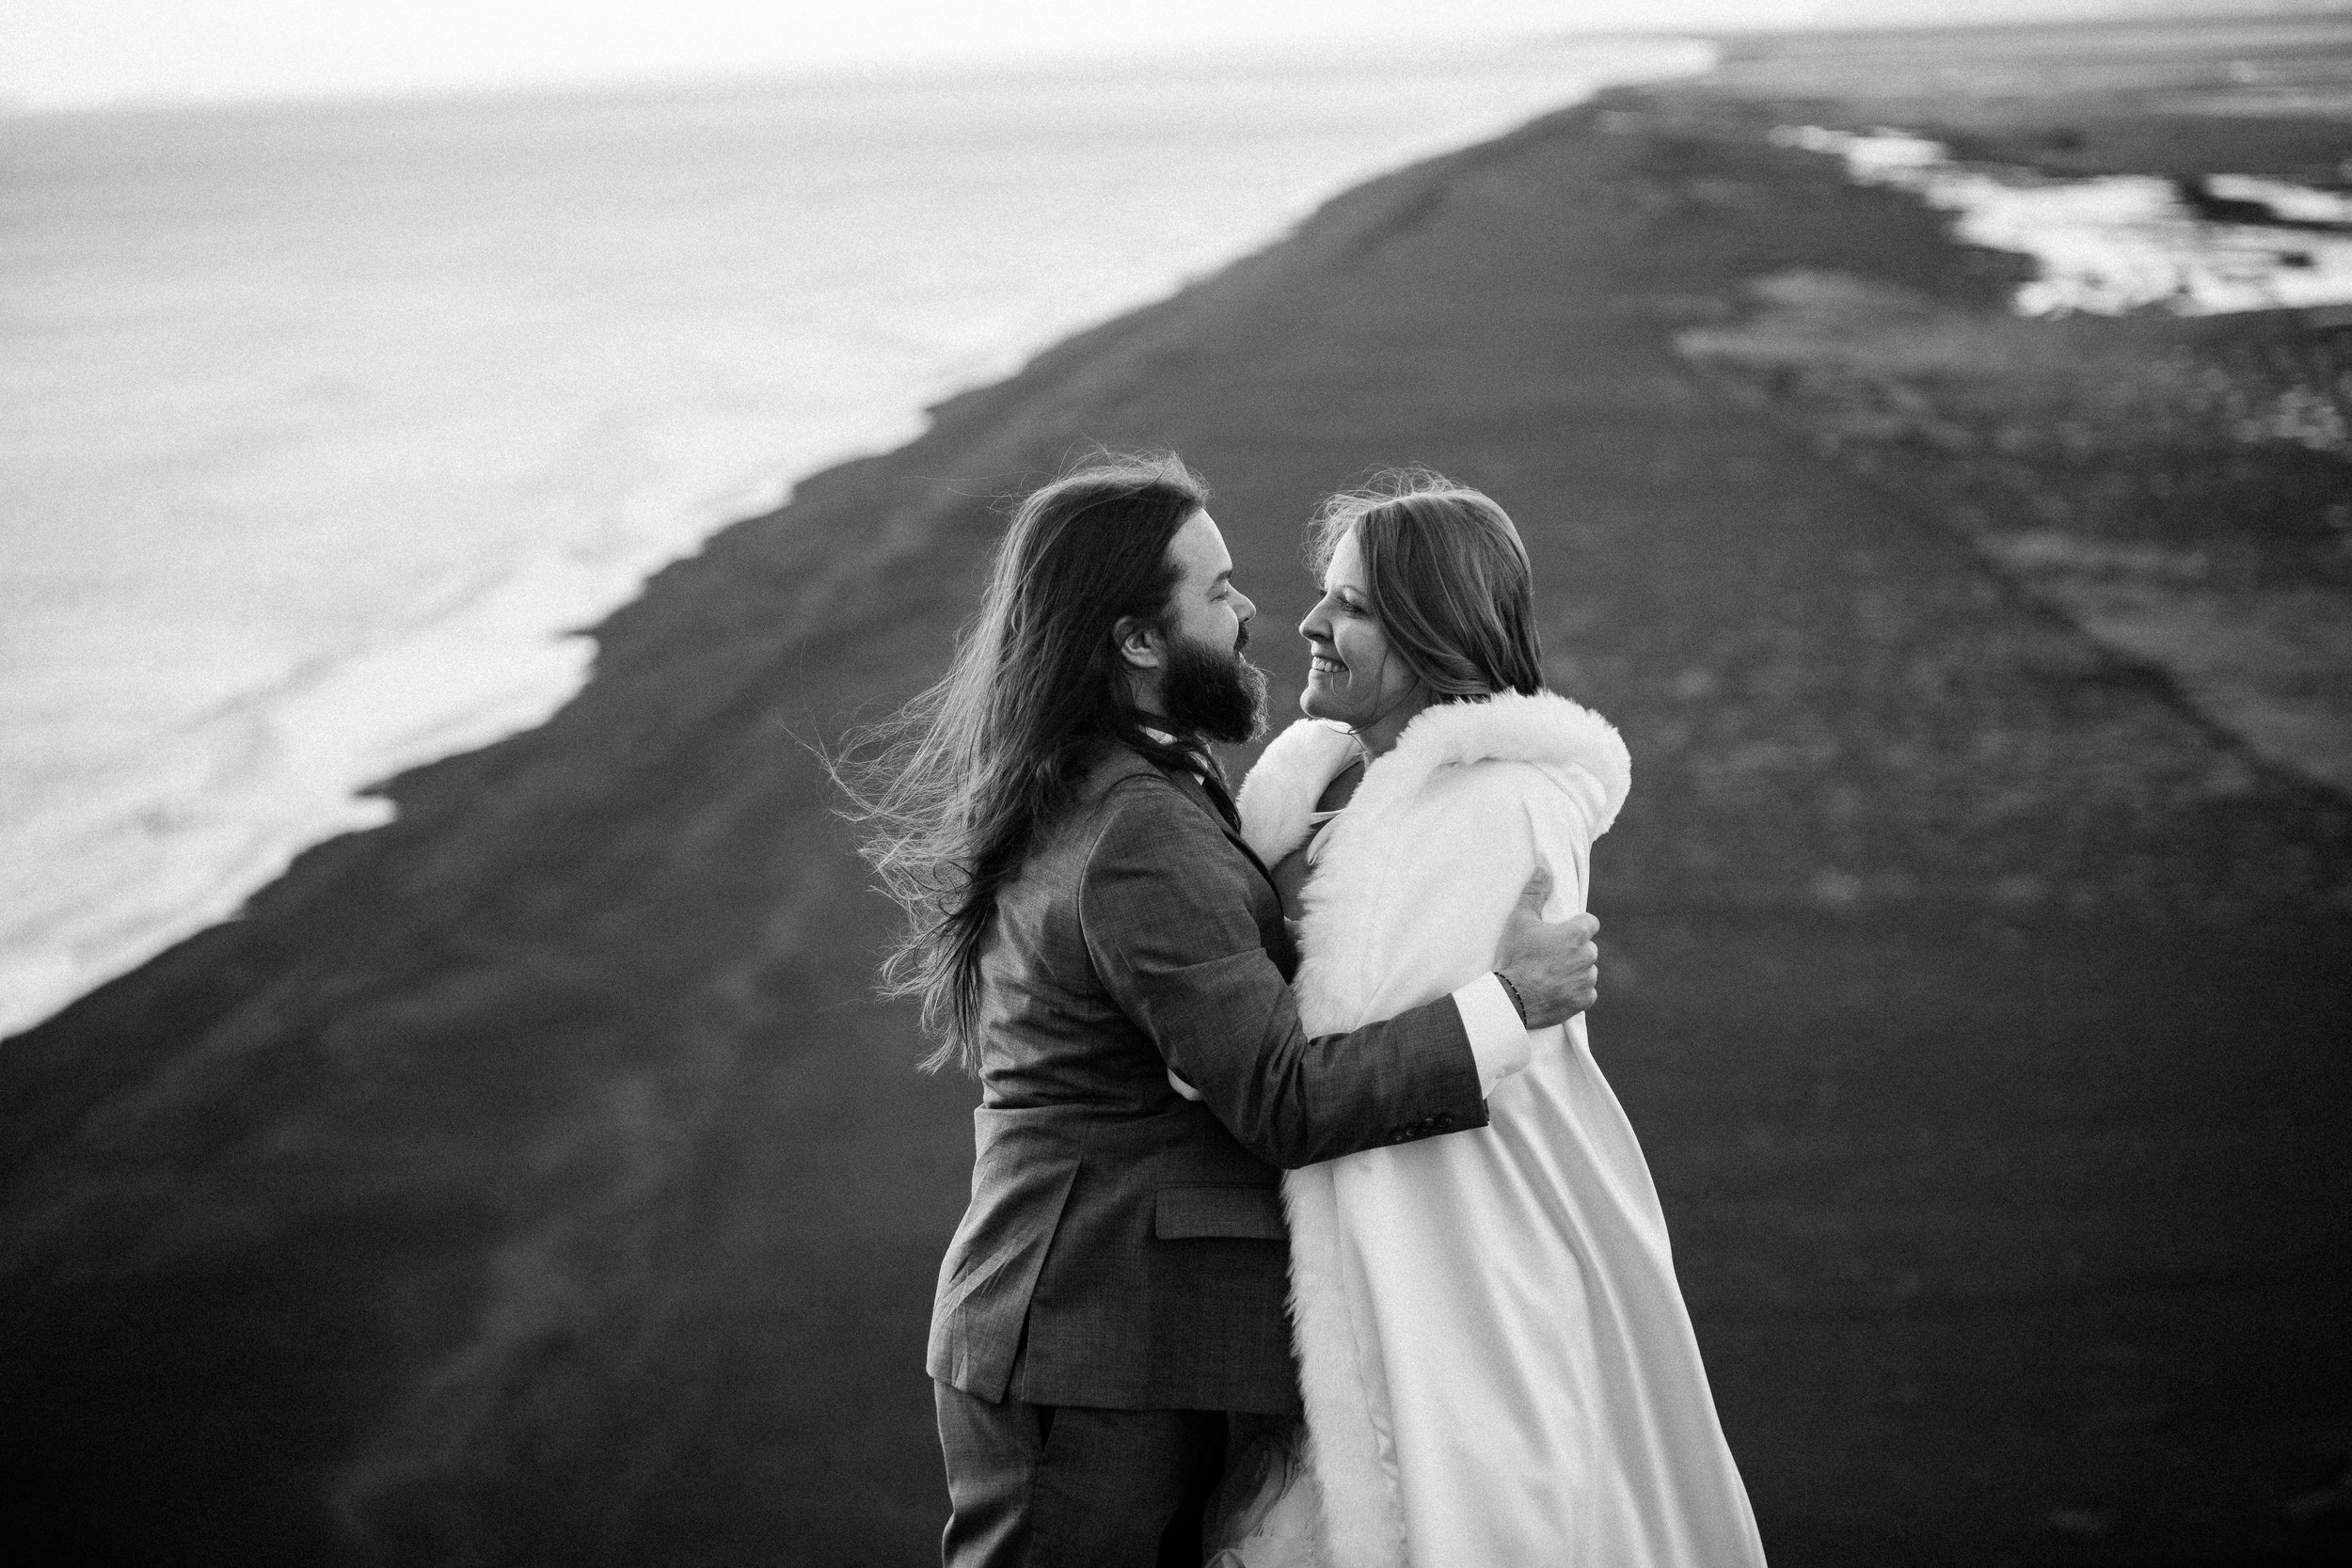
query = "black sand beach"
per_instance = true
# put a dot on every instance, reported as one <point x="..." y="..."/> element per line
<point x="532" y="1180"/>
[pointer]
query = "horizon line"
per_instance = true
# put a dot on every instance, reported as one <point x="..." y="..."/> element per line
<point x="850" y="68"/>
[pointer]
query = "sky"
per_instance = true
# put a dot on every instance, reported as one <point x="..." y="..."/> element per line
<point x="68" y="52"/>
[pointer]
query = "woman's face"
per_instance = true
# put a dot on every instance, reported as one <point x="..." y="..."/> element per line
<point x="1353" y="677"/>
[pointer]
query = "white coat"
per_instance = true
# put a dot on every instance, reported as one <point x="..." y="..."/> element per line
<point x="1496" y="1360"/>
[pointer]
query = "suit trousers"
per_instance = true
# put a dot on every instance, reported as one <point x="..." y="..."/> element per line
<point x="1069" y="1486"/>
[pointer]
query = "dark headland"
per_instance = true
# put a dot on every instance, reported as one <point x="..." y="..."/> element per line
<point x="532" y="1181"/>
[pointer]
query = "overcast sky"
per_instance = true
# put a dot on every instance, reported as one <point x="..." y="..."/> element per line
<point x="57" y="52"/>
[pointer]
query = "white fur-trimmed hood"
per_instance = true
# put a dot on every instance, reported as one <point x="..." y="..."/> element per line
<point x="1279" y="796"/>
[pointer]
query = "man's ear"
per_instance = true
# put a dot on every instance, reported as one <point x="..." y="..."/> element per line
<point x="1140" y="640"/>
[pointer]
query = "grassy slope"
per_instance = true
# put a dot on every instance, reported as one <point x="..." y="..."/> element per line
<point x="530" y="1181"/>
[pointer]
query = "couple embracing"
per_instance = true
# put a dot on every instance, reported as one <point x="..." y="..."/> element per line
<point x="1304" y="1230"/>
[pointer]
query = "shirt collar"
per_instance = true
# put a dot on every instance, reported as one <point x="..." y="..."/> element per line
<point x="1195" y="754"/>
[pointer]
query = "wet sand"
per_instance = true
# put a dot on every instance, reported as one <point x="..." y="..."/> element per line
<point x="532" y="1180"/>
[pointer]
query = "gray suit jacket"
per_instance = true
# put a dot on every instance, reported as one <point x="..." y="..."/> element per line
<point x="1124" y="1247"/>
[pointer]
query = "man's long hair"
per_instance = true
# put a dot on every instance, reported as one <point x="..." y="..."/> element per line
<point x="955" y="787"/>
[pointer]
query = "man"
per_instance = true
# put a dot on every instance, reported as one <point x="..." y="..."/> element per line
<point x="1089" y="930"/>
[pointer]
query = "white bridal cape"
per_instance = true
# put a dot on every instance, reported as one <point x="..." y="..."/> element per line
<point x="1496" y="1360"/>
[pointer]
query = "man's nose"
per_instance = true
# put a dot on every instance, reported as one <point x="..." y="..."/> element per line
<point x="1246" y="606"/>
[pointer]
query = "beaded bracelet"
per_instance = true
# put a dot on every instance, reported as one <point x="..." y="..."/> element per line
<point x="1512" y="991"/>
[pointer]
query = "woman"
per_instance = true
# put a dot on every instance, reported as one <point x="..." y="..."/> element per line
<point x="1497" y="1363"/>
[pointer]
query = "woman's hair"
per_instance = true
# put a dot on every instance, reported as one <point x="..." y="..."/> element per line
<point x="1449" y="580"/>
<point x="954" y="788"/>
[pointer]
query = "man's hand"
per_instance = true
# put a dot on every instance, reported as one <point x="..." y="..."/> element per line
<point x="1555" y="968"/>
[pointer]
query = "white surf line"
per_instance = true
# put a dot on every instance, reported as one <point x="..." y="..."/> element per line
<point x="2111" y="245"/>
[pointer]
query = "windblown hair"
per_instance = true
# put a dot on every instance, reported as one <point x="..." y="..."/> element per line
<point x="1449" y="580"/>
<point x="954" y="788"/>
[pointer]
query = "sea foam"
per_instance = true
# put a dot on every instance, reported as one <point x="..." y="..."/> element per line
<point x="2119" y="243"/>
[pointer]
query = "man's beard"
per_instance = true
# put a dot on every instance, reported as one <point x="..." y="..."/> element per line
<point x="1213" y="695"/>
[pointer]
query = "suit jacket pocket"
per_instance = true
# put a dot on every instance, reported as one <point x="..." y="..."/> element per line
<point x="1249" y="1213"/>
<point x="1027" y="1162"/>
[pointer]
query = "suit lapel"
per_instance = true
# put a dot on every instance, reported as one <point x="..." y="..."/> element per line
<point x="1197" y="791"/>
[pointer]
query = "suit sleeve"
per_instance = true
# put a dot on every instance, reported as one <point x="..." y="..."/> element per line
<point x="1165" y="906"/>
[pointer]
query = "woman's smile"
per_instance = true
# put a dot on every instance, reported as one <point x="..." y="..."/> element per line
<point x="1344" y="642"/>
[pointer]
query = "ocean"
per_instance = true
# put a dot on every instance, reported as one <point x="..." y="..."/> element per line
<point x="324" y="426"/>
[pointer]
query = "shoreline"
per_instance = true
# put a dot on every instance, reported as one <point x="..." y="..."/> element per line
<point x="531" y="1175"/>
<point x="170" y="826"/>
